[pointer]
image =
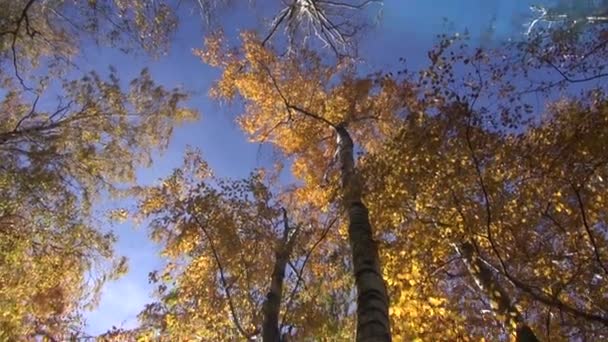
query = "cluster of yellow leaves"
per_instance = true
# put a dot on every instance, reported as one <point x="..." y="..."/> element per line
<point x="44" y="261"/>
<point x="432" y="186"/>
<point x="49" y="34"/>
<point x="214" y="237"/>
<point x="63" y="148"/>
<point x="531" y="197"/>
<point x="276" y="90"/>
<point x="220" y="238"/>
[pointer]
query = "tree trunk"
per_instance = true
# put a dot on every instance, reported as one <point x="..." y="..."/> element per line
<point x="499" y="298"/>
<point x="272" y="304"/>
<point x="373" y="323"/>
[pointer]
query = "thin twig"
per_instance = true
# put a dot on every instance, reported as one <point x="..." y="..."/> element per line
<point x="29" y="115"/>
<point x="277" y="23"/>
<point x="345" y="5"/>
<point x="596" y="251"/>
<point x="486" y="198"/>
<point x="235" y="317"/>
<point x="306" y="258"/>
<point x="30" y="32"/>
<point x="574" y="80"/>
<point x="290" y="106"/>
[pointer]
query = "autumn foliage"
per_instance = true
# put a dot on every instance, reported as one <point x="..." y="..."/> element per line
<point x="463" y="201"/>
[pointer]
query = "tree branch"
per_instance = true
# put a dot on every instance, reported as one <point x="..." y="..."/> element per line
<point x="272" y="304"/>
<point x="539" y="296"/>
<point x="30" y="32"/>
<point x="574" y="80"/>
<point x="350" y="6"/>
<point x="288" y="306"/>
<point x="596" y="250"/>
<point x="225" y="285"/>
<point x="291" y="107"/>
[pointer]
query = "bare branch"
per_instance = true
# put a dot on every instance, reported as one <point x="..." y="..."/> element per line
<point x="574" y="80"/>
<point x="277" y="22"/>
<point x="318" y="18"/>
<point x="346" y="5"/>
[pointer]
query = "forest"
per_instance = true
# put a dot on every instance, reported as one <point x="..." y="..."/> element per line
<point x="449" y="191"/>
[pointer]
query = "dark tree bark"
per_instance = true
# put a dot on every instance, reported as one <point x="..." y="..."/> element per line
<point x="272" y="305"/>
<point x="373" y="323"/>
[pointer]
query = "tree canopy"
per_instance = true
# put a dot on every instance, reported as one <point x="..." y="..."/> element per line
<point x="464" y="200"/>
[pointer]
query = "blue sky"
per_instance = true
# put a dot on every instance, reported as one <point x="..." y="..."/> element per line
<point x="406" y="29"/>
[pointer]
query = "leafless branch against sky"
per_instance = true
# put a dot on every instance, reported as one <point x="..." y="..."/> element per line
<point x="332" y="23"/>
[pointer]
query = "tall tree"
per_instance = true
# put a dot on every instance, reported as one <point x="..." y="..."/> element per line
<point x="61" y="157"/>
<point x="56" y="164"/>
<point x="65" y="143"/>
<point x="507" y="183"/>
<point x="272" y="304"/>
<point x="441" y="168"/>
<point x="453" y="156"/>
<point x="490" y="220"/>
<point x="297" y="121"/>
<point x="237" y="260"/>
<point x="499" y="298"/>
